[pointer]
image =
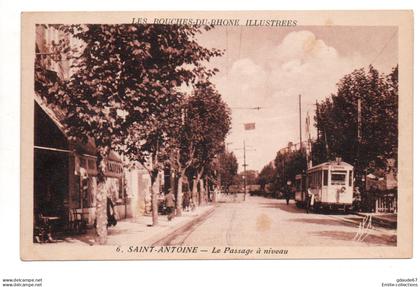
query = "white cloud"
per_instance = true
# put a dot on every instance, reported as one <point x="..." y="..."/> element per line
<point x="303" y="45"/>
<point x="300" y="64"/>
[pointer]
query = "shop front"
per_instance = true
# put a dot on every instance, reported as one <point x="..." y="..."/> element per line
<point x="116" y="186"/>
<point x="83" y="189"/>
<point x="65" y="179"/>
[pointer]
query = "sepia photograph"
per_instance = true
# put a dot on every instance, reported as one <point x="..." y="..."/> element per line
<point x="211" y="136"/>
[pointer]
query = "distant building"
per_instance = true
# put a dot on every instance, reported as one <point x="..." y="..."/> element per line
<point x="292" y="147"/>
<point x="382" y="190"/>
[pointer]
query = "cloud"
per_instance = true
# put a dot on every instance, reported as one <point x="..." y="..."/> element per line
<point x="304" y="64"/>
<point x="304" y="46"/>
<point x="300" y="63"/>
<point x="244" y="82"/>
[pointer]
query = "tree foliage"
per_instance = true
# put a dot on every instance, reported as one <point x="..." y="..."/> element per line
<point x="228" y="169"/>
<point x="337" y="119"/>
<point x="288" y="165"/>
<point x="208" y="123"/>
<point x="267" y="175"/>
<point x="125" y="92"/>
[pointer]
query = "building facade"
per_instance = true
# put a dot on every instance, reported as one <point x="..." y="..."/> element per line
<point x="65" y="171"/>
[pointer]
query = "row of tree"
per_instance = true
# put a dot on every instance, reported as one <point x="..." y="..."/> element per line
<point x="144" y="91"/>
<point x="228" y="170"/>
<point x="359" y="123"/>
<point x="274" y="176"/>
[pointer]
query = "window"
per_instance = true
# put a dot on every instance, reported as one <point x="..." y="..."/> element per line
<point x="88" y="192"/>
<point x="350" y="177"/>
<point x="338" y="178"/>
<point x="325" y="177"/>
<point x="92" y="165"/>
<point x="115" y="191"/>
<point x="310" y="182"/>
<point x="319" y="178"/>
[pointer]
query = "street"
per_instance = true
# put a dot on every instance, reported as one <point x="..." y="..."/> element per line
<point x="270" y="222"/>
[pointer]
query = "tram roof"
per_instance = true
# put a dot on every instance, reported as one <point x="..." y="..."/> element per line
<point x="331" y="163"/>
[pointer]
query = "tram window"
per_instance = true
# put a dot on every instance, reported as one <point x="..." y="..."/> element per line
<point x="325" y="177"/>
<point x="350" y="177"/>
<point x="338" y="178"/>
<point x="319" y="178"/>
<point x="310" y="181"/>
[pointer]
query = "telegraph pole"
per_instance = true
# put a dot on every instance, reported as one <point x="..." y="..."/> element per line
<point x="244" y="165"/>
<point x="300" y="122"/>
<point x="244" y="171"/>
<point x="317" y="116"/>
<point x="359" y="176"/>
<point x="359" y="120"/>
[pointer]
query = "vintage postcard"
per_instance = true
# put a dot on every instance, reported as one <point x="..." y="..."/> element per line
<point x="216" y="135"/>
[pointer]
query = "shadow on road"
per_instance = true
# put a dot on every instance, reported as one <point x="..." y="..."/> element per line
<point x="348" y="236"/>
<point x="336" y="235"/>
<point x="88" y="238"/>
<point x="294" y="209"/>
<point x="283" y="206"/>
<point x="323" y="221"/>
<point x="123" y="231"/>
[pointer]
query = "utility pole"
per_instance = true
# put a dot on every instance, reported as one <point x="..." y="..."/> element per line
<point x="300" y="122"/>
<point x="244" y="165"/>
<point x="317" y="116"/>
<point x="359" y="176"/>
<point x="244" y="171"/>
<point x="359" y="120"/>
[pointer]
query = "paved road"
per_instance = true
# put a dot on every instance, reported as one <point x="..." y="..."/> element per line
<point x="270" y="222"/>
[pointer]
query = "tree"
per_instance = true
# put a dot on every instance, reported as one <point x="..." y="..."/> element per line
<point x="266" y="176"/>
<point x="337" y="119"/>
<point x="209" y="121"/>
<point x="125" y="94"/>
<point x="288" y="165"/>
<point x="228" y="169"/>
<point x="251" y="177"/>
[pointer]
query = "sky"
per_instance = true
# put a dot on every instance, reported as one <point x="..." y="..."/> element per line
<point x="269" y="67"/>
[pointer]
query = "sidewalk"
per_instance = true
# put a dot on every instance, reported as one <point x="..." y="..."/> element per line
<point x="138" y="231"/>
<point x="387" y="220"/>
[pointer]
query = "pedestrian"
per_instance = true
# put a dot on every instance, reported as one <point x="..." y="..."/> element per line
<point x="170" y="204"/>
<point x="287" y="196"/>
<point x="287" y="193"/>
<point x="309" y="200"/>
<point x="110" y="212"/>
<point x="186" y="201"/>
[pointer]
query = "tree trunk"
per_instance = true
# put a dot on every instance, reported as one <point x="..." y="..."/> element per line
<point x="199" y="186"/>
<point x="101" y="216"/>
<point x="202" y="191"/>
<point x="179" y="194"/>
<point x="101" y="205"/>
<point x="194" y="192"/>
<point x="207" y="190"/>
<point x="154" y="189"/>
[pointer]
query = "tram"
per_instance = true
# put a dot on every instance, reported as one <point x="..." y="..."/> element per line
<point x="330" y="184"/>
